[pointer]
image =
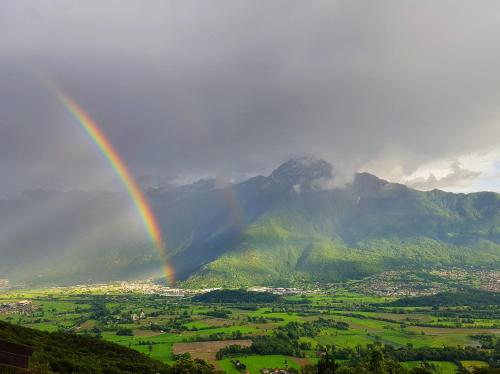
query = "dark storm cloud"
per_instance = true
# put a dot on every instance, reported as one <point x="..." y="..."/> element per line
<point x="205" y="87"/>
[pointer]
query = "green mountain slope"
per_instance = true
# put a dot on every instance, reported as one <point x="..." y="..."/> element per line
<point x="311" y="234"/>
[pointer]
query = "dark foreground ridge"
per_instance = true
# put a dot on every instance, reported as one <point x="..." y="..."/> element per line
<point x="59" y="352"/>
<point x="66" y="353"/>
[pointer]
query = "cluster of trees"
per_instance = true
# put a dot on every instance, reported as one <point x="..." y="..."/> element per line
<point x="236" y="296"/>
<point x="295" y="330"/>
<point x="235" y="335"/>
<point x="218" y="313"/>
<point x="262" y="345"/>
<point x="98" y="310"/>
<point x="260" y="319"/>
<point x="470" y="297"/>
<point x="488" y="341"/>
<point x="373" y="363"/>
<point x="124" y="332"/>
<point x="409" y="353"/>
<point x="147" y="342"/>
<point x="284" y="341"/>
<point x="232" y="350"/>
<point x="174" y="324"/>
<point x="453" y="354"/>
<point x="189" y="366"/>
<point x="303" y="300"/>
<point x="375" y="360"/>
<point x="486" y="312"/>
<point x="252" y="307"/>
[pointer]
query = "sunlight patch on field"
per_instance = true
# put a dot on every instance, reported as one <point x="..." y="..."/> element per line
<point x="255" y="363"/>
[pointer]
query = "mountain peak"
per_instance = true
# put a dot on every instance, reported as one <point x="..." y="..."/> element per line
<point x="302" y="169"/>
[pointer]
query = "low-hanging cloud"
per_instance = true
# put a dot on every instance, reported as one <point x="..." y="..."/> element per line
<point x="457" y="177"/>
<point x="206" y="87"/>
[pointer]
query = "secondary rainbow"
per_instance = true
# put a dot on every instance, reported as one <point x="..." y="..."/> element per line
<point x="120" y="168"/>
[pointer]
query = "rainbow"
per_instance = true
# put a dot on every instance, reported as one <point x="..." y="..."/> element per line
<point x="235" y="209"/>
<point x="120" y="168"/>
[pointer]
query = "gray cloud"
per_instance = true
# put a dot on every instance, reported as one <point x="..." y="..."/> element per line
<point x="457" y="177"/>
<point x="234" y="87"/>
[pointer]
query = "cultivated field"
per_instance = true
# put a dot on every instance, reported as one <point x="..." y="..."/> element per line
<point x="164" y="327"/>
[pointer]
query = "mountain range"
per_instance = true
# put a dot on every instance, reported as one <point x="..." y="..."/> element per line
<point x="298" y="224"/>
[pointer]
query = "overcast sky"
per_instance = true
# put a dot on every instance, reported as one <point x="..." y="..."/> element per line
<point x="408" y="90"/>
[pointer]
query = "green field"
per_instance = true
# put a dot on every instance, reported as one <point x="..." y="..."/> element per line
<point x="255" y="363"/>
<point x="170" y="321"/>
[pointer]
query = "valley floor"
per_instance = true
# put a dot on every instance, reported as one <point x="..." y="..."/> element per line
<point x="166" y="326"/>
